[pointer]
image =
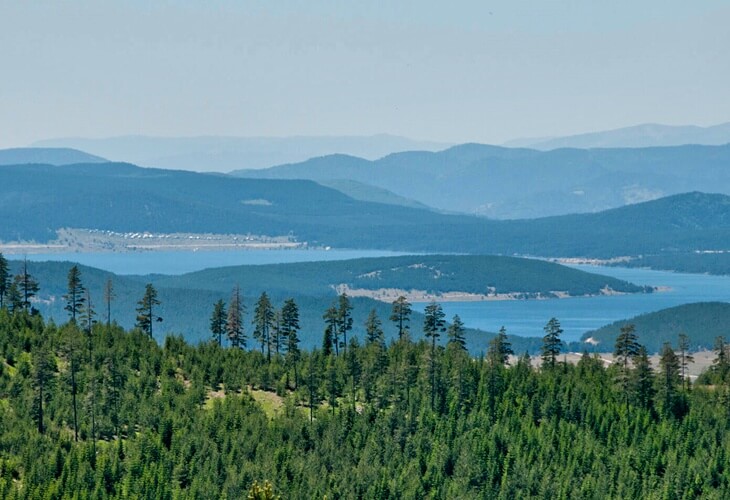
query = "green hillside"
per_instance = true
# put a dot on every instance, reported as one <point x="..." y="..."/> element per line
<point x="702" y="322"/>
<point x="112" y="414"/>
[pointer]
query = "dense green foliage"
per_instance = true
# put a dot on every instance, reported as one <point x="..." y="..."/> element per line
<point x="522" y="183"/>
<point x="402" y="421"/>
<point x="702" y="322"/>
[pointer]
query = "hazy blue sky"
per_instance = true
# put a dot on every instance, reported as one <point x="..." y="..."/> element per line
<point x="454" y="71"/>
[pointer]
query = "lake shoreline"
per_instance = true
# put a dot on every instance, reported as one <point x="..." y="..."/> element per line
<point x="388" y="295"/>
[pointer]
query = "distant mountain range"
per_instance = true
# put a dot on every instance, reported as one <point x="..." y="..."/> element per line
<point x="510" y="183"/>
<point x="37" y="200"/>
<point x="638" y="136"/>
<point x="222" y="154"/>
<point x="48" y="156"/>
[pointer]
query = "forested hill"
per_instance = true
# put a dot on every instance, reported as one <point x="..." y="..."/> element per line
<point x="36" y="200"/>
<point x="710" y="262"/>
<point x="112" y="414"/>
<point x="437" y="274"/>
<point x="49" y="156"/>
<point x="187" y="300"/>
<point x="523" y="183"/>
<point x="702" y="322"/>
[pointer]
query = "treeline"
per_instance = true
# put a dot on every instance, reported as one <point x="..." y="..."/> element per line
<point x="91" y="411"/>
<point x="710" y="262"/>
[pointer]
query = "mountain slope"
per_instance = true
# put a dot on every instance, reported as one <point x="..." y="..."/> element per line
<point x="49" y="156"/>
<point x="36" y="200"/>
<point x="366" y="192"/>
<point x="638" y="136"/>
<point x="702" y="322"/>
<point x="523" y="183"/>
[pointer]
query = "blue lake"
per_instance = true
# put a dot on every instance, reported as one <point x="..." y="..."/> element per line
<point x="181" y="262"/>
<point x="578" y="315"/>
<point x="520" y="317"/>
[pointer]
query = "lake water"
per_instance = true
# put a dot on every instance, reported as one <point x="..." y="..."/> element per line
<point x="181" y="262"/>
<point x="578" y="315"/>
<point x="520" y="317"/>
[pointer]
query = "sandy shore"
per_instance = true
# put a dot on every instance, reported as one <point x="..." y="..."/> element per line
<point x="390" y="294"/>
<point x="85" y="240"/>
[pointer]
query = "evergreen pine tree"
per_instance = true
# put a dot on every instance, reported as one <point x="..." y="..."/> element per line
<point x="721" y="363"/>
<point x="626" y="349"/>
<point x="643" y="379"/>
<point x="669" y="378"/>
<point x="218" y="321"/>
<point x="401" y="315"/>
<point x="146" y="315"/>
<point x="499" y="349"/>
<point x="263" y="321"/>
<point x="14" y="299"/>
<point x="109" y="296"/>
<point x="27" y="286"/>
<point x="44" y="368"/>
<point x="75" y="295"/>
<point x="344" y="318"/>
<point x="331" y="332"/>
<point x="433" y="327"/>
<point x="4" y="280"/>
<point x="373" y="329"/>
<point x="234" y="322"/>
<point x="456" y="333"/>
<point x="685" y="358"/>
<point x="551" y="343"/>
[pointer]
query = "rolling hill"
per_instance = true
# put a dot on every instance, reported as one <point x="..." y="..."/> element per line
<point x="509" y="183"/>
<point x="702" y="322"/>
<point x="36" y="200"/>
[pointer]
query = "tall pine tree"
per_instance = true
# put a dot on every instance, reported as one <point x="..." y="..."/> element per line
<point x="433" y="327"/>
<point x="146" y="315"/>
<point x="551" y="343"/>
<point x="401" y="315"/>
<point x="263" y="321"/>
<point x="75" y="295"/>
<point x="234" y="322"/>
<point x="218" y="321"/>
<point x="4" y="280"/>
